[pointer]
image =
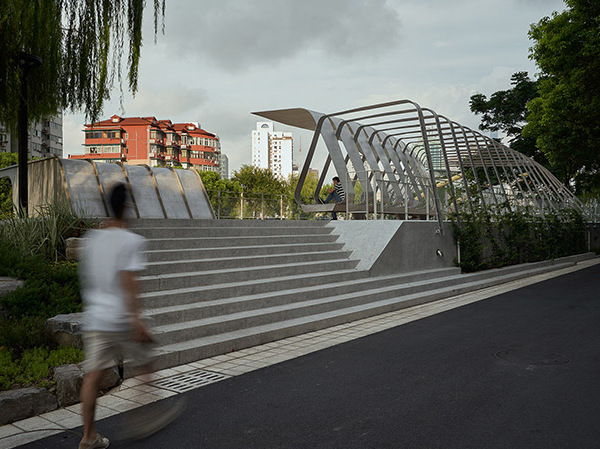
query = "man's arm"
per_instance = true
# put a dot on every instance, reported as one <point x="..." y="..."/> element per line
<point x="130" y="286"/>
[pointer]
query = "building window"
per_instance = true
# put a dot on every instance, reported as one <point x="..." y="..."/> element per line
<point x="156" y="134"/>
<point x="94" y="135"/>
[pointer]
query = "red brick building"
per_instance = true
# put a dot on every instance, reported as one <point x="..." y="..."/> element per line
<point x="146" y="140"/>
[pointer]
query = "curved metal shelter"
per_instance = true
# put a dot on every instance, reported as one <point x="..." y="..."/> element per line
<point x="400" y="158"/>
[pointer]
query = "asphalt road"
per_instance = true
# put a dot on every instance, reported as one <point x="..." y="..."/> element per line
<point x="519" y="370"/>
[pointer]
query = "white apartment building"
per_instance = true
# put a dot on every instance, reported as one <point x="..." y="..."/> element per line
<point x="45" y="138"/>
<point x="223" y="166"/>
<point x="272" y="149"/>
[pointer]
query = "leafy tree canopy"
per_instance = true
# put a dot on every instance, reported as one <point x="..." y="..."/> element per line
<point x="214" y="183"/>
<point x="255" y="180"/>
<point x="83" y="45"/>
<point x="564" y="118"/>
<point x="506" y="111"/>
<point x="308" y="189"/>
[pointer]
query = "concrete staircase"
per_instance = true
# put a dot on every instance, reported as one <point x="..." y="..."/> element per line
<point x="214" y="286"/>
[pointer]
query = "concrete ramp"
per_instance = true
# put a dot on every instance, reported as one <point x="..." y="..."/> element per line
<point x="155" y="192"/>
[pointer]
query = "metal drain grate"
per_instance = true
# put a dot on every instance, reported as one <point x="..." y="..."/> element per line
<point x="188" y="381"/>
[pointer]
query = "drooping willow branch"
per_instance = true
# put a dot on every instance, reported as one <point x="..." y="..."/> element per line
<point x="85" y="47"/>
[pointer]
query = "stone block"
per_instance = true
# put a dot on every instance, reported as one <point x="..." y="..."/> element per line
<point x="69" y="379"/>
<point x="24" y="403"/>
<point x="66" y="329"/>
<point x="74" y="247"/>
<point x="110" y="380"/>
<point x="8" y="285"/>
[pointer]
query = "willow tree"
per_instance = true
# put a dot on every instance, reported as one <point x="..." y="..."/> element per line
<point x="86" y="48"/>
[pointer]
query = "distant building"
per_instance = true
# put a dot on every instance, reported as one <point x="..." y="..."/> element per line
<point x="146" y="140"/>
<point x="44" y="140"/>
<point x="199" y="148"/>
<point x="224" y="166"/>
<point x="272" y="149"/>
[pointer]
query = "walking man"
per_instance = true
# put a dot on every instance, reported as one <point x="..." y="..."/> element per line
<point x="113" y="327"/>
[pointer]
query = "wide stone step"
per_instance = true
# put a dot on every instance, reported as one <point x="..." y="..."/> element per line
<point x="207" y="346"/>
<point x="240" y="251"/>
<point x="179" y="266"/>
<point x="182" y="296"/>
<point x="195" y="223"/>
<point x="249" y="317"/>
<point x="229" y="231"/>
<point x="195" y="279"/>
<point x="206" y="309"/>
<point x="221" y="242"/>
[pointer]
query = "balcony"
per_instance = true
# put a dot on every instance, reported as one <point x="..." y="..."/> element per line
<point x="104" y="141"/>
<point x="160" y="156"/>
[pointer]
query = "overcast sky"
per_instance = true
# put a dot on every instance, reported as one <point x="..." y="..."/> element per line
<point x="219" y="61"/>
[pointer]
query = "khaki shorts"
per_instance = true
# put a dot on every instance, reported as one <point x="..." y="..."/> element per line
<point x="104" y="350"/>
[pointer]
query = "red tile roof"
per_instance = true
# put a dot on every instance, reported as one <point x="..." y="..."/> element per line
<point x="192" y="129"/>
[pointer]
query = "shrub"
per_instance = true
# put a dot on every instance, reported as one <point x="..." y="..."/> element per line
<point x="23" y="333"/>
<point x="52" y="290"/>
<point x="44" y="233"/>
<point x="32" y="248"/>
<point x="501" y="235"/>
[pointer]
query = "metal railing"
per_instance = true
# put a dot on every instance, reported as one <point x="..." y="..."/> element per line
<point x="375" y="195"/>
<point x="258" y="206"/>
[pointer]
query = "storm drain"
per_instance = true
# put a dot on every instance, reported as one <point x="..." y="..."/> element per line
<point x="188" y="381"/>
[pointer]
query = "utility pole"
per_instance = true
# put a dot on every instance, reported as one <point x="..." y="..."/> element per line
<point x="27" y="62"/>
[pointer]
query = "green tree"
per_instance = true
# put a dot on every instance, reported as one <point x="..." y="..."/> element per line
<point x="263" y="191"/>
<point x="6" y="199"/>
<point x="257" y="181"/>
<point x="506" y="110"/>
<point x="307" y="193"/>
<point x="82" y="45"/>
<point x="223" y="193"/>
<point x="563" y="119"/>
<point x="213" y="183"/>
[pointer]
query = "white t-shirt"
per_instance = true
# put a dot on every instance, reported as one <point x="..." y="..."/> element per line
<point x="108" y="252"/>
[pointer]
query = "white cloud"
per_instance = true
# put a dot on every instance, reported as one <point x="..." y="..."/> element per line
<point x="236" y="35"/>
<point x="219" y="61"/>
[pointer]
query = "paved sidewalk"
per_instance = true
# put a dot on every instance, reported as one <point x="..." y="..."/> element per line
<point x="186" y="379"/>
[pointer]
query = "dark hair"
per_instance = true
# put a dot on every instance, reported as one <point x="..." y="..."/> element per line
<point x="335" y="178"/>
<point x="116" y="200"/>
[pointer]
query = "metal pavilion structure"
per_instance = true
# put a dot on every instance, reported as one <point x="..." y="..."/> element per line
<point x="400" y="158"/>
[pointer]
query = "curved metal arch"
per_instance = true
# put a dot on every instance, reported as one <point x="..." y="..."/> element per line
<point x="418" y="150"/>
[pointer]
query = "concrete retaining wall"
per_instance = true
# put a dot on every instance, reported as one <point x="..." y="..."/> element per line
<point x="397" y="246"/>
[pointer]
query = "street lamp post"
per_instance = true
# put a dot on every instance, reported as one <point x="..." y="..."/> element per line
<point x="27" y="62"/>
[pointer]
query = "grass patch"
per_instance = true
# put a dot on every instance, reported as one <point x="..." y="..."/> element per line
<point x="34" y="366"/>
